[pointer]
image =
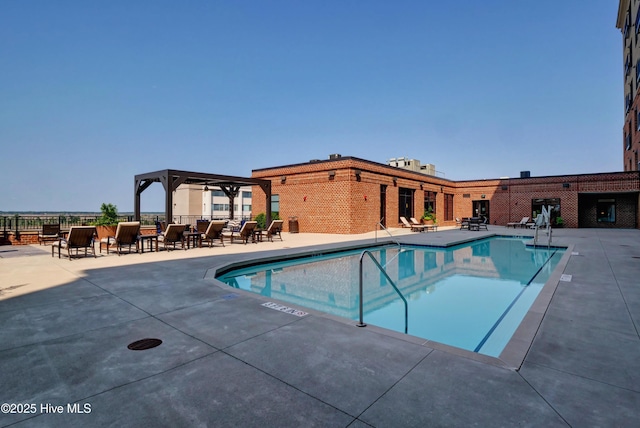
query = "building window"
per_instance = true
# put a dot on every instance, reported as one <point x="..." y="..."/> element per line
<point x="627" y="65"/>
<point x="246" y="195"/>
<point x="218" y="193"/>
<point x="626" y="26"/>
<point x="221" y="207"/>
<point x="246" y="208"/>
<point x="637" y="24"/>
<point x="606" y="211"/>
<point x="554" y="203"/>
<point x="430" y="201"/>
<point x="627" y="141"/>
<point x="275" y="205"/>
<point x="637" y="120"/>
<point x="448" y="207"/>
<point x="405" y="203"/>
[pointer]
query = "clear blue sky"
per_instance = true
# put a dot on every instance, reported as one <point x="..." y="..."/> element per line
<point x="94" y="92"/>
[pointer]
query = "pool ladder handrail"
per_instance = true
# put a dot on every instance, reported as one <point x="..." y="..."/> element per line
<point x="392" y="238"/>
<point x="406" y="305"/>
<point x="388" y="233"/>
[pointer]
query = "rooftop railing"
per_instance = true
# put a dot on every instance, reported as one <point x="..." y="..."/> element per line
<point x="19" y="223"/>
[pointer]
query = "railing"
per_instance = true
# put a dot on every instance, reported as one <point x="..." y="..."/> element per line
<point x="33" y="222"/>
<point x="406" y="305"/>
<point x="386" y="230"/>
<point x="193" y="219"/>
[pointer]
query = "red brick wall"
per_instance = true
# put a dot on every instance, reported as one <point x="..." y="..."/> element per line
<point x="338" y="205"/>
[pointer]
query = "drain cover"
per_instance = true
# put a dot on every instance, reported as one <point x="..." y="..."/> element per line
<point x="144" y="344"/>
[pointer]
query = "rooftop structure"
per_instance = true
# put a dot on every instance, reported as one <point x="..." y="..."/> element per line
<point x="412" y="165"/>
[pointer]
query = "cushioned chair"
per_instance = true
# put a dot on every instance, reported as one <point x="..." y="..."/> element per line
<point x="50" y="232"/>
<point x="521" y="223"/>
<point x="174" y="234"/>
<point x="484" y="222"/>
<point x="427" y="227"/>
<point x="127" y="234"/>
<point x="245" y="232"/>
<point x="213" y="232"/>
<point x="202" y="225"/>
<point x="275" y="228"/>
<point x="414" y="228"/>
<point x="79" y="237"/>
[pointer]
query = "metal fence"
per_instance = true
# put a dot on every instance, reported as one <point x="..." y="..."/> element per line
<point x="19" y="223"/>
<point x="33" y="222"/>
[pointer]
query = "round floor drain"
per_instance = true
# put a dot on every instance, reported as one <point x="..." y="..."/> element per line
<point x="144" y="344"/>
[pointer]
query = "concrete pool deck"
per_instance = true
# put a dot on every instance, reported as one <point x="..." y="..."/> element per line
<point x="226" y="360"/>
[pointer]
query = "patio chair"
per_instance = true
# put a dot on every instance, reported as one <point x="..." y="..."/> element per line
<point x="414" y="228"/>
<point x="202" y="225"/>
<point x="127" y="234"/>
<point x="79" y="237"/>
<point x="50" y="232"/>
<point x="245" y="232"/>
<point x="213" y="232"/>
<point x="464" y="223"/>
<point x="427" y="227"/>
<point x="275" y="228"/>
<point x="484" y="222"/>
<point x="521" y="223"/>
<point x="174" y="234"/>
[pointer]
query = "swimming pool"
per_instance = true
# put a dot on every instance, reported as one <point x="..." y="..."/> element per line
<point x="472" y="296"/>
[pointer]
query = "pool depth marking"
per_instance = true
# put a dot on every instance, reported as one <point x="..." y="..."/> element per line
<point x="286" y="309"/>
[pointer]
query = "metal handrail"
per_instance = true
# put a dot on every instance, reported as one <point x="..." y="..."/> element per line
<point x="386" y="230"/>
<point x="406" y="305"/>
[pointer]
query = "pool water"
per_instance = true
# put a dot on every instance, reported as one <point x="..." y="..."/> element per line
<point x="472" y="296"/>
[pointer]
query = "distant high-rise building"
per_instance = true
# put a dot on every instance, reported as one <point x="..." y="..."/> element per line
<point x="629" y="24"/>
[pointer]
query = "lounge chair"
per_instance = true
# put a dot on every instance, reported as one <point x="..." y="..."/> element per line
<point x="78" y="237"/>
<point x="213" y="232"/>
<point x="427" y="227"/>
<point x="275" y="228"/>
<point x="464" y="223"/>
<point x="521" y="223"/>
<point x="414" y="228"/>
<point x="174" y="234"/>
<point x="483" y="223"/>
<point x="50" y="232"/>
<point x="202" y="225"/>
<point x="127" y="234"/>
<point x="245" y="232"/>
<point x="474" y="223"/>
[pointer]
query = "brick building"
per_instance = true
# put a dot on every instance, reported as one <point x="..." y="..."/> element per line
<point x="628" y="21"/>
<point x="351" y="195"/>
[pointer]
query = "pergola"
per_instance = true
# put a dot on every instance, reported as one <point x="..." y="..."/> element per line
<point x="171" y="179"/>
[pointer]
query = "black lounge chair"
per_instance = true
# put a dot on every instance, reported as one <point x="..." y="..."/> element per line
<point x="79" y="237"/>
<point x="50" y="232"/>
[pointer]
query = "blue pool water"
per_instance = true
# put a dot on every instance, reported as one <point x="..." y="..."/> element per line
<point x="472" y="296"/>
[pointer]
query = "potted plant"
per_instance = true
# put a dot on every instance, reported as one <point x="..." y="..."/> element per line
<point x="429" y="217"/>
<point x="559" y="222"/>
<point x="107" y="223"/>
<point x="262" y="220"/>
